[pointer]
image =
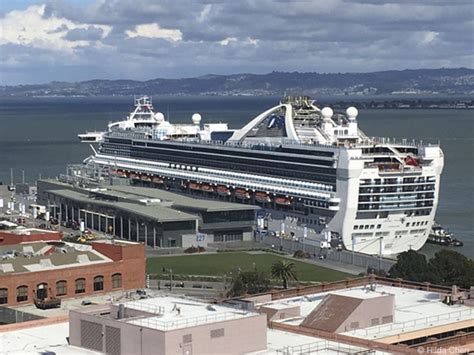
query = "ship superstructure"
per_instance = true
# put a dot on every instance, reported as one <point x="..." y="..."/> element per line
<point x="378" y="195"/>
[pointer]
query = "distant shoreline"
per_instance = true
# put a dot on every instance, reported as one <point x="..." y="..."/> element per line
<point x="376" y="102"/>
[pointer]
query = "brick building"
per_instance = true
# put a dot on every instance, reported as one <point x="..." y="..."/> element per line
<point x="41" y="270"/>
<point x="25" y="235"/>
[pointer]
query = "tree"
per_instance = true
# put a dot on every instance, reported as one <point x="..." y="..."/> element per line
<point x="410" y="266"/>
<point x="285" y="271"/>
<point x="449" y="267"/>
<point x="249" y="282"/>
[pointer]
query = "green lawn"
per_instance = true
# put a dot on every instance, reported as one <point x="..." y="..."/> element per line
<point x="224" y="263"/>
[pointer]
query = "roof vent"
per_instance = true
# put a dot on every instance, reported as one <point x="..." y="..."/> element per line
<point x="7" y="268"/>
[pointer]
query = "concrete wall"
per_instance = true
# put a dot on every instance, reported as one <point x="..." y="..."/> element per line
<point x="370" y="309"/>
<point x="274" y="314"/>
<point x="239" y="336"/>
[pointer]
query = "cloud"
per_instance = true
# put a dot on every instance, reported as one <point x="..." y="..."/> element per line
<point x="153" y="30"/>
<point x="31" y="28"/>
<point x="91" y="33"/>
<point x="139" y="39"/>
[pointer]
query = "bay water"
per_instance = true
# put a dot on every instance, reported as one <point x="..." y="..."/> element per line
<point x="39" y="136"/>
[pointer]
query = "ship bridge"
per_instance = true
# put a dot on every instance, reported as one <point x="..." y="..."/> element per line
<point x="298" y="119"/>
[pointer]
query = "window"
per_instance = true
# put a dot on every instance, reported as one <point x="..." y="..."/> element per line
<point x="61" y="288"/>
<point x="375" y="321"/>
<point x="98" y="283"/>
<point x="22" y="294"/>
<point x="3" y="295"/>
<point x="117" y="281"/>
<point x="80" y="285"/>
<point x="187" y="338"/>
<point x="217" y="333"/>
<point x="387" y="319"/>
<point x="354" y="325"/>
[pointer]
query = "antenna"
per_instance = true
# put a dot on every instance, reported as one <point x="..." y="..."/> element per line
<point x="11" y="176"/>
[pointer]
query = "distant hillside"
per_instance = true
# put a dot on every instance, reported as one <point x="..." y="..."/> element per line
<point x="430" y="81"/>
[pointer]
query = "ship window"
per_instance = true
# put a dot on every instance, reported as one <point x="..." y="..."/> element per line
<point x="356" y="227"/>
<point x="371" y="226"/>
<point x="379" y="226"/>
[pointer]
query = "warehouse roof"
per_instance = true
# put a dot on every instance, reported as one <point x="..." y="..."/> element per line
<point x="180" y="200"/>
<point x="153" y="211"/>
<point x="42" y="256"/>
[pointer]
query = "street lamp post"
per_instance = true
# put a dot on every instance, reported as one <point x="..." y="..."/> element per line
<point x="171" y="277"/>
<point x="380" y="253"/>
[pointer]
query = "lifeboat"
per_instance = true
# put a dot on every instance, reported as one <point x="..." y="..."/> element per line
<point x="145" y="177"/>
<point x="409" y="160"/>
<point x="263" y="197"/>
<point x="207" y="188"/>
<point x="194" y="186"/>
<point x="134" y="176"/>
<point x="241" y="194"/>
<point x="223" y="191"/>
<point x="157" y="180"/>
<point x="283" y="201"/>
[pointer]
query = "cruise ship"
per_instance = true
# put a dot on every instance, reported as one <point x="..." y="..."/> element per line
<point x="378" y="195"/>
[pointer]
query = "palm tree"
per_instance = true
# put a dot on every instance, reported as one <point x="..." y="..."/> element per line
<point x="284" y="270"/>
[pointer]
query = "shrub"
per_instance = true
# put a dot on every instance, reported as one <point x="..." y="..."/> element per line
<point x="300" y="254"/>
<point x="193" y="249"/>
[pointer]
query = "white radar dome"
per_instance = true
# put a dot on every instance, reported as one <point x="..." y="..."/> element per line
<point x="327" y="112"/>
<point x="196" y="118"/>
<point x="352" y="113"/>
<point x="159" y="117"/>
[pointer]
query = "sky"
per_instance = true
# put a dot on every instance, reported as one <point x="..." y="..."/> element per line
<point x="76" y="40"/>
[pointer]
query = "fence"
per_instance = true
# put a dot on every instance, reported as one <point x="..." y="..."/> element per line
<point x="407" y="326"/>
<point x="154" y="323"/>
<point x="322" y="347"/>
<point x="344" y="256"/>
